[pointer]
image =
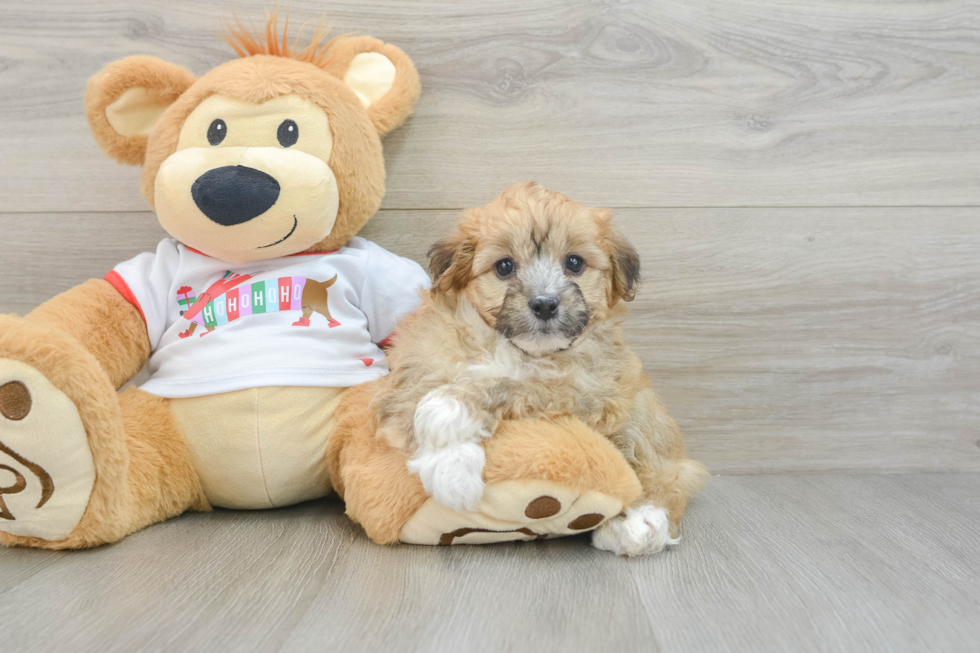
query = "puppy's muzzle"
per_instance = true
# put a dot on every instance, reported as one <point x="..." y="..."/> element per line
<point x="231" y="195"/>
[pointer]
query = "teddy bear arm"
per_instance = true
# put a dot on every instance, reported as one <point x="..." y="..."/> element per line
<point x="104" y="322"/>
<point x="544" y="479"/>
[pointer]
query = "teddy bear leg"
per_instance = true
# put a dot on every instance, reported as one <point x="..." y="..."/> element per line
<point x="81" y="465"/>
<point x="162" y="480"/>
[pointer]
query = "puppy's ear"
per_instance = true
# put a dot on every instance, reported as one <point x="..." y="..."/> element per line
<point x="451" y="263"/>
<point x="623" y="258"/>
<point x="124" y="101"/>
<point x="381" y="75"/>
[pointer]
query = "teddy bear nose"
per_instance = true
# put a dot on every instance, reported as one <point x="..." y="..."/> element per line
<point x="232" y="195"/>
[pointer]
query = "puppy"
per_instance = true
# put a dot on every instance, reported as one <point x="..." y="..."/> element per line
<point x="525" y="319"/>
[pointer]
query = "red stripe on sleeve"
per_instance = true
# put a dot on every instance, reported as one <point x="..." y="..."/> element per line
<point x="117" y="282"/>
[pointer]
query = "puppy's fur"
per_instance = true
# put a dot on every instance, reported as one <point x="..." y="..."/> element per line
<point x="478" y="352"/>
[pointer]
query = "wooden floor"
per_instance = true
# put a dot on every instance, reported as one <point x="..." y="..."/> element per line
<point x="802" y="180"/>
<point x="766" y="563"/>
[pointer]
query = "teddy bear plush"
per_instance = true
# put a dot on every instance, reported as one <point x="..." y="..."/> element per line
<point x="261" y="319"/>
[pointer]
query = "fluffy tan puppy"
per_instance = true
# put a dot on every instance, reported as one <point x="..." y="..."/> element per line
<point x="524" y="319"/>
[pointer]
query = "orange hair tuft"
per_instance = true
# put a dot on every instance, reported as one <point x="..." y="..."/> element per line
<point x="249" y="43"/>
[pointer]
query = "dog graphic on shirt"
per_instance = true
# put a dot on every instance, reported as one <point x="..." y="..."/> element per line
<point x="230" y="298"/>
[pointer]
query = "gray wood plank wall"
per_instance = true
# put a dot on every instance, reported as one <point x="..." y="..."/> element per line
<point x="802" y="179"/>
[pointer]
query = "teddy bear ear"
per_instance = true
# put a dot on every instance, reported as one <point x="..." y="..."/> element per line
<point x="381" y="75"/>
<point x="126" y="98"/>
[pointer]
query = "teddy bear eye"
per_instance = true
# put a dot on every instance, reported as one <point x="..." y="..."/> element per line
<point x="217" y="131"/>
<point x="288" y="133"/>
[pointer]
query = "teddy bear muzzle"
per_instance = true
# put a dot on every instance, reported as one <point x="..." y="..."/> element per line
<point x="246" y="203"/>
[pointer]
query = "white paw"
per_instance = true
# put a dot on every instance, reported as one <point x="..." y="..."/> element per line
<point x="641" y="531"/>
<point x="441" y="421"/>
<point x="453" y="475"/>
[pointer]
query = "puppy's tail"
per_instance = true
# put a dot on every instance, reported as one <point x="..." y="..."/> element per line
<point x="691" y="475"/>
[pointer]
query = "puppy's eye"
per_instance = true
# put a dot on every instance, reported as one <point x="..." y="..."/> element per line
<point x="217" y="131"/>
<point x="574" y="264"/>
<point x="504" y="268"/>
<point x="288" y="133"/>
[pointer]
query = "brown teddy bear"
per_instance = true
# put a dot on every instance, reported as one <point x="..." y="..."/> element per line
<point x="260" y="319"/>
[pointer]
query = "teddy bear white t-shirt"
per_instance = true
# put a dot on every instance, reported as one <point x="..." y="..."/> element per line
<point x="301" y="320"/>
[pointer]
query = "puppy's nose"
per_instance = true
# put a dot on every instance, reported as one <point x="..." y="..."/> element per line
<point x="232" y="195"/>
<point x="544" y="307"/>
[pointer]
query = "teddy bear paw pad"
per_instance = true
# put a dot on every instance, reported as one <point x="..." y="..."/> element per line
<point x="513" y="510"/>
<point x="46" y="467"/>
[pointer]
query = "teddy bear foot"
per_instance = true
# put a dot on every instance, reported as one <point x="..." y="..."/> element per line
<point x="46" y="467"/>
<point x="512" y="510"/>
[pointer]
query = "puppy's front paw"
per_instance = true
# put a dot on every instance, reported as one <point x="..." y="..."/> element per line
<point x="452" y="475"/>
<point x="641" y="531"/>
<point x="441" y="421"/>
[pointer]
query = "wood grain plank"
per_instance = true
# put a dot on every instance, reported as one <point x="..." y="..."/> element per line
<point x="664" y="103"/>
<point x="782" y="340"/>
<point x="807" y="563"/>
